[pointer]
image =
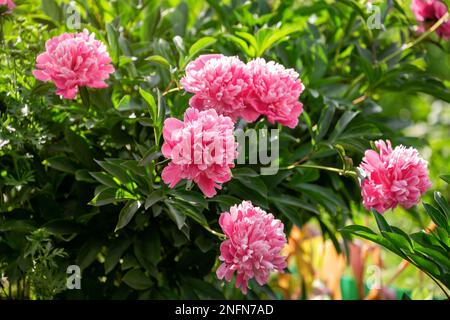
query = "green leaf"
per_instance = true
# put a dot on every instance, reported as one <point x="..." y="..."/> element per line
<point x="288" y="200"/>
<point x="435" y="215"/>
<point x="368" y="234"/>
<point x="405" y="296"/>
<point x="152" y="108"/>
<point x="307" y="119"/>
<point x="402" y="233"/>
<point x="153" y="198"/>
<point x="154" y="243"/>
<point x="423" y="238"/>
<point x="161" y="116"/>
<point x="152" y="17"/>
<point x="324" y="196"/>
<point x="443" y="204"/>
<point x="80" y="148"/>
<point x="267" y="37"/>
<point x="443" y="236"/>
<point x="398" y="240"/>
<point x="244" y="172"/>
<point x="83" y="175"/>
<point x="175" y="215"/>
<point x="150" y="155"/>
<point x="191" y="211"/>
<point x="445" y="177"/>
<point x="137" y="280"/>
<point x="291" y="213"/>
<point x="116" y="171"/>
<point x="304" y="175"/>
<point x="199" y="45"/>
<point x="63" y="164"/>
<point x="115" y="252"/>
<point x="434" y="253"/>
<point x="52" y="9"/>
<point x="225" y="201"/>
<point x="242" y="45"/>
<point x="111" y="195"/>
<point x="191" y="197"/>
<point x="329" y="231"/>
<point x="88" y="253"/>
<point x="62" y="227"/>
<point x="203" y="243"/>
<point x="357" y="229"/>
<point x="159" y="60"/>
<point x="381" y="222"/>
<point x="17" y="225"/>
<point x="342" y="123"/>
<point x="203" y="289"/>
<point x="157" y="112"/>
<point x="113" y="42"/>
<point x="104" y="178"/>
<point x="324" y="123"/>
<point x="251" y="40"/>
<point x="147" y="249"/>
<point x="254" y="183"/>
<point x="425" y="264"/>
<point x="127" y="213"/>
<point x="221" y="11"/>
<point x="127" y="103"/>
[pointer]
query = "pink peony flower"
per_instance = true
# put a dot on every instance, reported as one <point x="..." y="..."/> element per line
<point x="253" y="247"/>
<point x="275" y="92"/>
<point x="393" y="176"/>
<point x="202" y="149"/>
<point x="6" y="6"/>
<point x="74" y="60"/>
<point x="221" y="83"/>
<point x="428" y="12"/>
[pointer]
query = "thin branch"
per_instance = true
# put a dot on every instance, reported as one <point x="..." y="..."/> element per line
<point x="331" y="169"/>
<point x="172" y="90"/>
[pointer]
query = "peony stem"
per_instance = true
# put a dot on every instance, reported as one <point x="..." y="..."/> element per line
<point x="162" y="161"/>
<point x="218" y="234"/>
<point x="312" y="166"/>
<point x="171" y="90"/>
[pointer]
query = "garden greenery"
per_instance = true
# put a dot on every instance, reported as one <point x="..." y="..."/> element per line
<point x="118" y="148"/>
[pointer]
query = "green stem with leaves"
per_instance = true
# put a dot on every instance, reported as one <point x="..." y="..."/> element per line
<point x="418" y="40"/>
<point x="221" y="236"/>
<point x="429" y="275"/>
<point x="405" y="47"/>
<point x="172" y="90"/>
<point x="342" y="172"/>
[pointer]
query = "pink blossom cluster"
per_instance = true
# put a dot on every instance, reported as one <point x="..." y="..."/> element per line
<point x="202" y="149"/>
<point x="428" y="12"/>
<point x="244" y="91"/>
<point x="74" y="60"/>
<point x="394" y="177"/>
<point x="220" y="83"/>
<point x="275" y="92"/>
<point x="253" y="245"/>
<point x="8" y="5"/>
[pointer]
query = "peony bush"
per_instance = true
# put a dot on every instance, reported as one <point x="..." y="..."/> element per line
<point x="135" y="138"/>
